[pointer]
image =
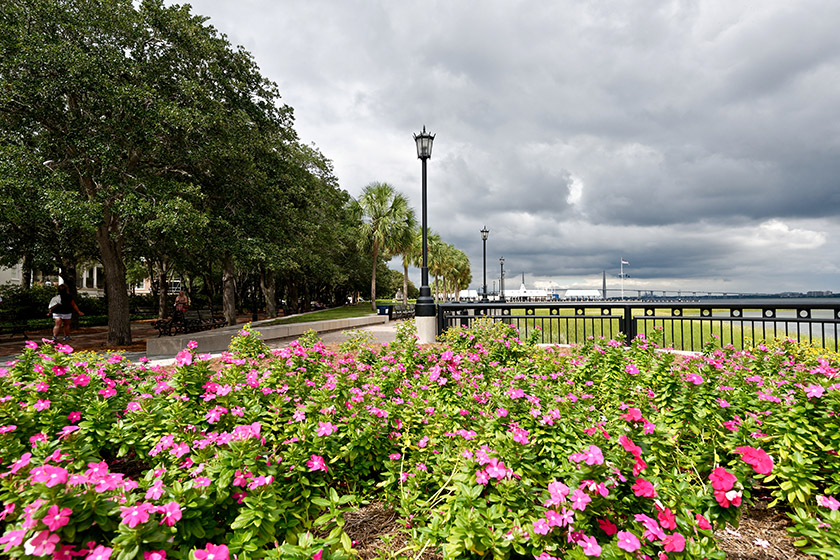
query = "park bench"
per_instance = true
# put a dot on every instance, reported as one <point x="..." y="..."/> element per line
<point x="190" y="321"/>
<point x="14" y="328"/>
<point x="402" y="312"/>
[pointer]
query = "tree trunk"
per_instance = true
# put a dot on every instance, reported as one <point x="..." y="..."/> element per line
<point x="267" y="283"/>
<point x="373" y="278"/>
<point x="405" y="282"/>
<point x="229" y="290"/>
<point x="26" y="273"/>
<point x="119" y="318"/>
<point x="162" y="273"/>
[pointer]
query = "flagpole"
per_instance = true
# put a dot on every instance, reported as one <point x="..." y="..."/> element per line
<point x="622" y="278"/>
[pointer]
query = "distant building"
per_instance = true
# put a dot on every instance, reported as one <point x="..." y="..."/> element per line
<point x="583" y="294"/>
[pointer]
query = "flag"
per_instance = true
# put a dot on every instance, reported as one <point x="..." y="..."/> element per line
<point x="625" y="262"/>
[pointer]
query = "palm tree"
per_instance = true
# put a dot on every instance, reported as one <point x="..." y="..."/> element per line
<point x="411" y="250"/>
<point x="387" y="220"/>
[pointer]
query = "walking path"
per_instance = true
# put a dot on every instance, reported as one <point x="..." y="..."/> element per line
<point x="95" y="339"/>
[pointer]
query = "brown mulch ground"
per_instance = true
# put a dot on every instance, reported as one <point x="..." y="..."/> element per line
<point x="761" y="535"/>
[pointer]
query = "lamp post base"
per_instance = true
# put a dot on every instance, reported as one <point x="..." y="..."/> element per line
<point x="426" y="329"/>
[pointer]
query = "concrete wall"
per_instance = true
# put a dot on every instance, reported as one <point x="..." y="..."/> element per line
<point x="218" y="340"/>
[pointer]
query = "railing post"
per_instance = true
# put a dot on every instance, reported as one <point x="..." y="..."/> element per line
<point x="629" y="327"/>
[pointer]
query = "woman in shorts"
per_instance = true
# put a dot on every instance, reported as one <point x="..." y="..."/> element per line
<point x="61" y="308"/>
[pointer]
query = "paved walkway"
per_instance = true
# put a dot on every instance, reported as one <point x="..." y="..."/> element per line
<point x="91" y="339"/>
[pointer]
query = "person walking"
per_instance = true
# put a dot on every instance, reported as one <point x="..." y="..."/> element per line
<point x="61" y="307"/>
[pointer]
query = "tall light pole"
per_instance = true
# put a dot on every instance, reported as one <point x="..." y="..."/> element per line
<point x="484" y="233"/>
<point x="502" y="280"/>
<point x="425" y="311"/>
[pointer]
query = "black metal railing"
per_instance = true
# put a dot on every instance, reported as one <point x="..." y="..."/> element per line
<point x="685" y="325"/>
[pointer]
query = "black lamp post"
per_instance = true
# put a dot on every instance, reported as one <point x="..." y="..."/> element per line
<point x="502" y="280"/>
<point x="425" y="303"/>
<point x="484" y="233"/>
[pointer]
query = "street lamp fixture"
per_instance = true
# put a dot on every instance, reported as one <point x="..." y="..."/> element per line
<point x="484" y="233"/>
<point x="425" y="303"/>
<point x="502" y="280"/>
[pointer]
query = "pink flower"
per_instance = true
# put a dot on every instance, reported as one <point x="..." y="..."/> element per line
<point x="632" y="415"/>
<point x="100" y="553"/>
<point x="829" y="502"/>
<point x="631" y="369"/>
<point x="629" y="446"/>
<point x="520" y="435"/>
<point x="41" y="404"/>
<point x="41" y="544"/>
<point x="628" y="541"/>
<point x="541" y="527"/>
<point x="201" y="481"/>
<point x="12" y="539"/>
<point x="667" y="519"/>
<point x="722" y="480"/>
<point x="317" y="555"/>
<point x="558" y="492"/>
<point x="579" y="499"/>
<point x="155" y="490"/>
<point x="757" y="458"/>
<point x="55" y="518"/>
<point x="326" y="429"/>
<point x="725" y="499"/>
<point x="212" y="552"/>
<point x="594" y="456"/>
<point x="171" y="513"/>
<point x="590" y="546"/>
<point x="49" y="475"/>
<point x="608" y="527"/>
<point x="74" y="416"/>
<point x="424" y="441"/>
<point x="154" y="555"/>
<point x="316" y="463"/>
<point x="135" y="515"/>
<point x="644" y="489"/>
<point x="702" y="522"/>
<point x="674" y="543"/>
<point x="652" y="529"/>
<point x="183" y="358"/>
<point x="814" y="390"/>
<point x="19" y="464"/>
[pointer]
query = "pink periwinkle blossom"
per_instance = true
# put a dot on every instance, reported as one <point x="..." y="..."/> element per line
<point x="316" y="463"/>
<point x="757" y="458"/>
<point x="644" y="488"/>
<point x="42" y="544"/>
<point x="829" y="502"/>
<point x="326" y="429"/>
<point x="135" y="515"/>
<point x="171" y="513"/>
<point x="814" y="391"/>
<point x="628" y="541"/>
<point x="100" y="553"/>
<point x="590" y="545"/>
<point x="49" y="475"/>
<point x="56" y="518"/>
<point x="212" y="552"/>
<point x="722" y="479"/>
<point x="674" y="543"/>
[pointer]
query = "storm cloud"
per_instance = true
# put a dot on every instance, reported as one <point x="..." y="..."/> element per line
<point x="697" y="139"/>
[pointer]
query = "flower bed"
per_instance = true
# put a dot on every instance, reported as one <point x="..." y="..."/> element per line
<point x="486" y="446"/>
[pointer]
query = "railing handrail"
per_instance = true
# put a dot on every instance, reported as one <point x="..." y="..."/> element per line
<point x="626" y="313"/>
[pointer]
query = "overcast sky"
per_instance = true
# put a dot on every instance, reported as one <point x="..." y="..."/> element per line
<point x="699" y="140"/>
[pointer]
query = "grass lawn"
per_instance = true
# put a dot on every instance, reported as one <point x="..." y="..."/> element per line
<point x="346" y="312"/>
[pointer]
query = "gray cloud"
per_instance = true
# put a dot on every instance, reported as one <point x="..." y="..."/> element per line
<point x="696" y="139"/>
